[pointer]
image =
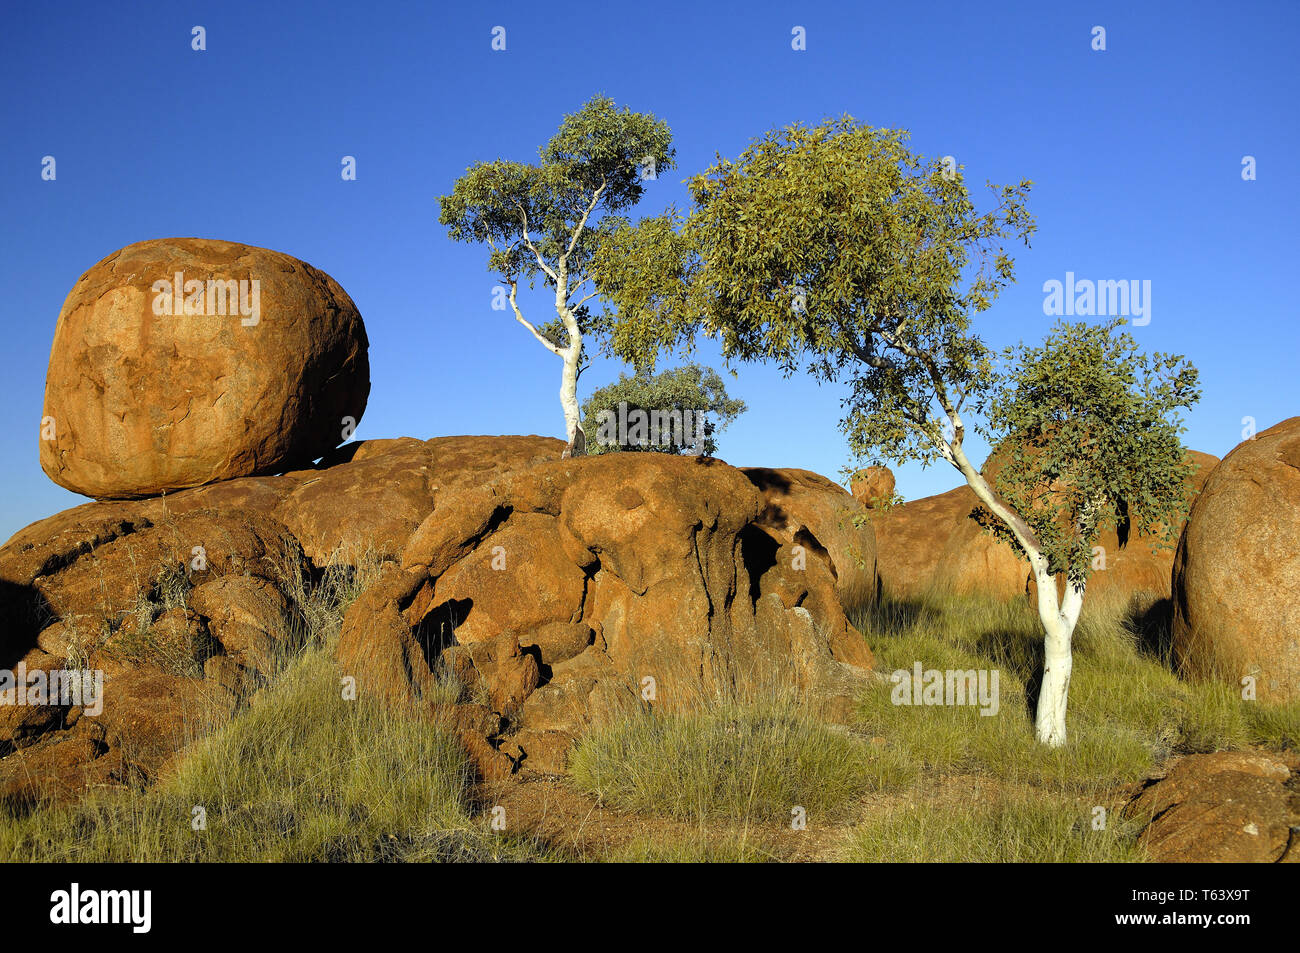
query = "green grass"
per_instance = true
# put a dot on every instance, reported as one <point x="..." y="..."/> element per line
<point x="301" y="776"/>
<point x="1127" y="710"/>
<point x="1011" y="828"/>
<point x="703" y="846"/>
<point x="734" y="761"/>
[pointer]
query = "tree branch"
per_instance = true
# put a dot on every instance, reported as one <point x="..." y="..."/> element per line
<point x="557" y="351"/>
<point x="528" y="241"/>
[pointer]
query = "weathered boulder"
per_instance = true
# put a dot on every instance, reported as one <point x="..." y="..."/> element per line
<point x="149" y="391"/>
<point x="1236" y="577"/>
<point x="143" y="604"/>
<point x="808" y="509"/>
<point x="1228" y="807"/>
<point x="372" y="495"/>
<point x="577" y="589"/>
<point x="534" y="597"/>
<point x="935" y="543"/>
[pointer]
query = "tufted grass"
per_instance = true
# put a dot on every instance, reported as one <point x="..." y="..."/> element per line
<point x="301" y="776"/>
<point x="1010" y="827"/>
<point x="1127" y="710"/>
<point x="739" y="761"/>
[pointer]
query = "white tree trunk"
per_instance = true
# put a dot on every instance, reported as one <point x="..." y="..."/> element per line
<point x="1059" y="617"/>
<point x="577" y="439"/>
<point x="1054" y="693"/>
<point x="1059" y="620"/>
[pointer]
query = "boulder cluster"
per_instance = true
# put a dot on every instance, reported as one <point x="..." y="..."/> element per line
<point x="517" y="596"/>
<point x="550" y="591"/>
<point x="578" y="589"/>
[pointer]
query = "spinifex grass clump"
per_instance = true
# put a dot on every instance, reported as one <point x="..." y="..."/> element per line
<point x="1017" y="827"/>
<point x="731" y="760"/>
<point x="302" y="776"/>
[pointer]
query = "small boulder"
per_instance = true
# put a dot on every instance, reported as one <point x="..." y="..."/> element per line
<point x="873" y="486"/>
<point x="1231" y="806"/>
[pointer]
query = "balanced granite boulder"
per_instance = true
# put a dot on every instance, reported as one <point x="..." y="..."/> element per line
<point x="182" y="361"/>
<point x="1236" y="577"/>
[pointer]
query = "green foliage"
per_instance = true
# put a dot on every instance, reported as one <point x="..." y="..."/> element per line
<point x="837" y="248"/>
<point x="646" y="273"/>
<point x="699" y="390"/>
<point x="1091" y="440"/>
<point x="549" y="219"/>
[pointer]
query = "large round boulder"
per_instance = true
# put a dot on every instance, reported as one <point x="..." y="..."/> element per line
<point x="935" y="544"/>
<point x="181" y="361"/>
<point x="1236" y="576"/>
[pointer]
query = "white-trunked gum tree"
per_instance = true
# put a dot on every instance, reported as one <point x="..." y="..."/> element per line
<point x="546" y="221"/>
<point x="837" y="250"/>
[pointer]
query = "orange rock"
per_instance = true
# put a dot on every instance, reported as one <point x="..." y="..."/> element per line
<point x="142" y="402"/>
<point x="1236" y="577"/>
<point x="935" y="543"/>
<point x="873" y="486"/>
<point x="1228" y="807"/>
<point x="808" y="509"/>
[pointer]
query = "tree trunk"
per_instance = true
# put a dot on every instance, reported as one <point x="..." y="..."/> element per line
<point x="1059" y="617"/>
<point x="1058" y="659"/>
<point x="577" y="439"/>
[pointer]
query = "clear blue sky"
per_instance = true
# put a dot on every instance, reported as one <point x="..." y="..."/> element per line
<point x="1136" y="154"/>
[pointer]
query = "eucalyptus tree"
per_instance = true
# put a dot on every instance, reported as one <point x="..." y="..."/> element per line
<point x="545" y="221"/>
<point x="838" y="251"/>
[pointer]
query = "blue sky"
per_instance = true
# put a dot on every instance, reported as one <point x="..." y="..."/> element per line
<point x="1136" y="153"/>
